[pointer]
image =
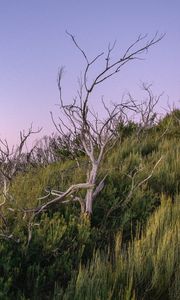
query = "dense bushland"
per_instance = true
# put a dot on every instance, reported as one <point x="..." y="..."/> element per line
<point x="129" y="249"/>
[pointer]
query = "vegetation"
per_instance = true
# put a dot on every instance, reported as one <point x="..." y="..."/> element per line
<point x="128" y="249"/>
<point x="92" y="214"/>
<point x="146" y="268"/>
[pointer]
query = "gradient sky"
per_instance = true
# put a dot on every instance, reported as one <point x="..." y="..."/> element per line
<point x="33" y="45"/>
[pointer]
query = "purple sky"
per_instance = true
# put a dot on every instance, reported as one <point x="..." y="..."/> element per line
<point x="33" y="45"/>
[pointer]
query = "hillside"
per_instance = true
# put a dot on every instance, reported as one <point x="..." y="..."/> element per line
<point x="127" y="249"/>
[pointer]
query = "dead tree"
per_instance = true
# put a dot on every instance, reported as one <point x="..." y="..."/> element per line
<point x="97" y="135"/>
<point x="145" y="109"/>
<point x="13" y="160"/>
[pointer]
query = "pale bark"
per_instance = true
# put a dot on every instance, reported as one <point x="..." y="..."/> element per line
<point x="97" y="136"/>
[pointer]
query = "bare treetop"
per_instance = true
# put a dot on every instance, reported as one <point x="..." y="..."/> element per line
<point x="12" y="159"/>
<point x="134" y="52"/>
<point x="97" y="135"/>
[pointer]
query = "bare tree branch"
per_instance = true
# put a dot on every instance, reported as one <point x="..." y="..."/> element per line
<point x="12" y="160"/>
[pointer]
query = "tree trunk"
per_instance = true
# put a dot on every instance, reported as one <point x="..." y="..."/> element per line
<point x="89" y="201"/>
<point x="89" y="194"/>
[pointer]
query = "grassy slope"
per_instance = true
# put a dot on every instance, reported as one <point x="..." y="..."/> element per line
<point x="62" y="243"/>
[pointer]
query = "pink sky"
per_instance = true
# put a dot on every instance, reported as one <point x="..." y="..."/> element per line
<point x="33" y="45"/>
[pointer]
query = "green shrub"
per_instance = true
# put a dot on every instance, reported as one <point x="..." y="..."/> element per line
<point x="145" y="269"/>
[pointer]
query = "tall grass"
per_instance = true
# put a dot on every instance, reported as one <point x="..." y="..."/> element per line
<point x="146" y="268"/>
